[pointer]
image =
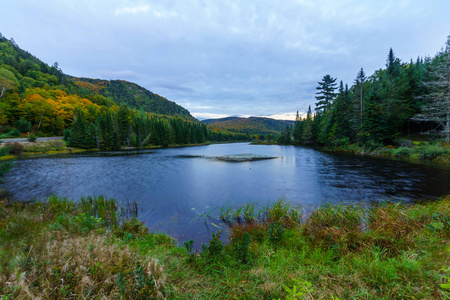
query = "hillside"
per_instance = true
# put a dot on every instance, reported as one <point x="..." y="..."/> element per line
<point x="252" y="125"/>
<point x="43" y="99"/>
<point x="133" y="95"/>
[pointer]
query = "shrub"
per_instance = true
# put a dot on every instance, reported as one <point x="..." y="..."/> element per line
<point x="14" y="133"/>
<point x="66" y="135"/>
<point x="241" y="247"/>
<point x="214" y="249"/>
<point x="32" y="138"/>
<point x="275" y="232"/>
<point x="402" y="152"/>
<point x="15" y="148"/>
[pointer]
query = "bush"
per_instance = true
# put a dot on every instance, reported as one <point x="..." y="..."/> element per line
<point x="402" y="152"/>
<point x="14" y="133"/>
<point x="66" y="135"/>
<point x="241" y="247"/>
<point x="275" y="232"/>
<point x="214" y="249"/>
<point x="371" y="145"/>
<point x="32" y="138"/>
<point x="15" y="148"/>
<point x="23" y="125"/>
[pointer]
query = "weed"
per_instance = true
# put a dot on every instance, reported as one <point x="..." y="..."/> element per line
<point x="275" y="233"/>
<point x="189" y="245"/>
<point x="101" y="207"/>
<point x="241" y="248"/>
<point x="214" y="249"/>
<point x="299" y="290"/>
<point x="446" y="286"/>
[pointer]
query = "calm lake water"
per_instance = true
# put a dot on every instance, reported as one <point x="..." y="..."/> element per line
<point x="173" y="190"/>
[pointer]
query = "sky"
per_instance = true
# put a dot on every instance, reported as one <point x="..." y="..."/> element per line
<point x="221" y="58"/>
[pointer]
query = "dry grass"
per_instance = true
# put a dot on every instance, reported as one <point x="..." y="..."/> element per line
<point x="79" y="267"/>
<point x="59" y="250"/>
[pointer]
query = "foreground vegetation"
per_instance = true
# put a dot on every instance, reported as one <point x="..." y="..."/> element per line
<point x="93" y="249"/>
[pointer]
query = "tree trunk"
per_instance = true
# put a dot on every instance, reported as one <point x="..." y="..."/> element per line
<point x="40" y="121"/>
<point x="146" y="139"/>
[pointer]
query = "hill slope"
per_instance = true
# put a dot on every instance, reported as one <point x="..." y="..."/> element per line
<point x="252" y="125"/>
<point x="43" y="95"/>
<point x="133" y="95"/>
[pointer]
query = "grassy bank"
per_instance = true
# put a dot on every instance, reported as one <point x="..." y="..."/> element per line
<point x="53" y="147"/>
<point x="38" y="148"/>
<point x="423" y="152"/>
<point x="92" y="249"/>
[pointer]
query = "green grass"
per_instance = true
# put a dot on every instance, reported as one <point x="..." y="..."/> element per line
<point x="436" y="153"/>
<point x="95" y="248"/>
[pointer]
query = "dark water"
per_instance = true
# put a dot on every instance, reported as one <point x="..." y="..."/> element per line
<point x="173" y="190"/>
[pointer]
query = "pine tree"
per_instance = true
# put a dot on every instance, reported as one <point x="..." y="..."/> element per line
<point x="123" y="124"/>
<point x="298" y="128"/>
<point x="307" y="134"/>
<point x="359" y="91"/>
<point x="78" y="133"/>
<point x="325" y="94"/>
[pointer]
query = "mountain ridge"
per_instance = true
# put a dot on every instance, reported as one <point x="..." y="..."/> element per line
<point x="250" y="125"/>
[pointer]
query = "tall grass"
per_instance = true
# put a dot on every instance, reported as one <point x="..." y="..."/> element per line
<point x="62" y="249"/>
<point x="249" y="213"/>
<point x="65" y="250"/>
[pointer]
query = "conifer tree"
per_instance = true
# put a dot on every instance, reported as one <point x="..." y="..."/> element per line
<point x="325" y="94"/>
<point x="78" y="134"/>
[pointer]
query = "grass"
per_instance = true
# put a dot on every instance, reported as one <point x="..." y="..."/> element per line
<point x="436" y="153"/>
<point x="94" y="248"/>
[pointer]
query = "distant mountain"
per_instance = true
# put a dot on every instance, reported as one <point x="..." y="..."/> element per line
<point x="133" y="95"/>
<point x="252" y="125"/>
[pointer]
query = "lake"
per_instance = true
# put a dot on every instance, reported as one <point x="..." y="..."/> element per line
<point x="174" y="186"/>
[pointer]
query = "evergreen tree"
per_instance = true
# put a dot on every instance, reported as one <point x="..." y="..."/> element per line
<point x="326" y="93"/>
<point x="359" y="92"/>
<point x="124" y="124"/>
<point x="78" y="136"/>
<point x="107" y="133"/>
<point x="298" y="128"/>
<point x="307" y="134"/>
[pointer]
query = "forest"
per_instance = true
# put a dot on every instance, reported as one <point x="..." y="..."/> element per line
<point x="405" y="99"/>
<point x="40" y="99"/>
<point x="259" y="126"/>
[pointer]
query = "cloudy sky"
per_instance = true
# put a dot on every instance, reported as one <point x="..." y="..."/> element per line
<point x="222" y="58"/>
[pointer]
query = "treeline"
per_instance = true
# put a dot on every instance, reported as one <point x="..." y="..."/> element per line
<point x="401" y="100"/>
<point x="129" y="128"/>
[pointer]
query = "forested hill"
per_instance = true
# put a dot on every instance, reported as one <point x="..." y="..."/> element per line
<point x="43" y="96"/>
<point x="133" y="95"/>
<point x="252" y="125"/>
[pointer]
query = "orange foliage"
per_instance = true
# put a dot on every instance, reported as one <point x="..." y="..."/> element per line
<point x="90" y="86"/>
<point x="56" y="103"/>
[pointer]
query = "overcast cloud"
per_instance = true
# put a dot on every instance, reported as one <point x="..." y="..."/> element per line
<point x="226" y="57"/>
